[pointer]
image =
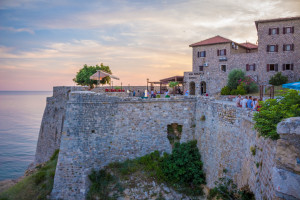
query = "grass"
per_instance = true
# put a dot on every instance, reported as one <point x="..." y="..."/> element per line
<point x="36" y="186"/>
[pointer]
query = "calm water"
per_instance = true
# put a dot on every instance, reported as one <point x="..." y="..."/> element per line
<point x="20" y="119"/>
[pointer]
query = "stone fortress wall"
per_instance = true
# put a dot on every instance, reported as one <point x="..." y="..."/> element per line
<point x="99" y="129"/>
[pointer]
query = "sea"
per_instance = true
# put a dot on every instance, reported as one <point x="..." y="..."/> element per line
<point x="20" y="119"/>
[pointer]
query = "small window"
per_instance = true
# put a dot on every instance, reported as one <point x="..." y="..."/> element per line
<point x="222" y="52"/>
<point x="272" y="67"/>
<point x="287" y="67"/>
<point x="273" y="31"/>
<point x="288" y="47"/>
<point x="223" y="68"/>
<point x="201" y="68"/>
<point x="272" y="48"/>
<point x="288" y="30"/>
<point x="250" y="67"/>
<point x="202" y="54"/>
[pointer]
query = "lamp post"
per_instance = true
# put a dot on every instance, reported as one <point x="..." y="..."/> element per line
<point x="147" y="83"/>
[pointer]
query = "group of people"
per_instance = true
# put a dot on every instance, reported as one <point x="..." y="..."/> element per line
<point x="247" y="102"/>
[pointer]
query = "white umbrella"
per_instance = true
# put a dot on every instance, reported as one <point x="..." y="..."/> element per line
<point x="101" y="74"/>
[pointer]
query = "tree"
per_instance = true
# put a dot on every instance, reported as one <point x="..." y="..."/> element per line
<point x="83" y="76"/>
<point x="278" y="79"/>
<point x="173" y="84"/>
<point x="234" y="77"/>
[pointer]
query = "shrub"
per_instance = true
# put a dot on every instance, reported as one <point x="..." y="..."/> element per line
<point x="225" y="189"/>
<point x="167" y="96"/>
<point x="278" y="79"/>
<point x="225" y="90"/>
<point x="248" y="84"/>
<point x="273" y="111"/>
<point x="184" y="166"/>
<point x="240" y="90"/>
<point x="233" y="77"/>
<point x="158" y="96"/>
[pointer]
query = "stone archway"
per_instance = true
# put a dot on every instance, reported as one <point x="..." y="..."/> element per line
<point x="192" y="88"/>
<point x="203" y="87"/>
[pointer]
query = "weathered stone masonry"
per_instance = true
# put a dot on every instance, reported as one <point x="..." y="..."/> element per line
<point x="99" y="129"/>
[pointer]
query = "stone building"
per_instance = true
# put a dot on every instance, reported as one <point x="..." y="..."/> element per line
<point x="278" y="50"/>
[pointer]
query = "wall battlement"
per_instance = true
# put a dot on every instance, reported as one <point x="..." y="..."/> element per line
<point x="98" y="129"/>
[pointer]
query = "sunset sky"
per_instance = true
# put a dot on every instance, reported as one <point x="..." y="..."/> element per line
<point x="44" y="43"/>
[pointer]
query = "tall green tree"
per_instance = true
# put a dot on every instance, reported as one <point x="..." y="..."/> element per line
<point x="83" y="76"/>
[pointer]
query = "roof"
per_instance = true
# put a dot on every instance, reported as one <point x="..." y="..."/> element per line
<point x="101" y="74"/>
<point x="276" y="20"/>
<point x="214" y="40"/>
<point x="173" y="78"/>
<point x="248" y="45"/>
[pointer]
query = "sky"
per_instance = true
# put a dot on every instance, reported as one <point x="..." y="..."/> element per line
<point x="45" y="43"/>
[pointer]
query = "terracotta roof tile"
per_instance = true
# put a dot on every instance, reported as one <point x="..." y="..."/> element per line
<point x="214" y="40"/>
<point x="249" y="45"/>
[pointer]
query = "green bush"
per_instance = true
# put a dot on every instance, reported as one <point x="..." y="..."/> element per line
<point x="240" y="90"/>
<point x="167" y="96"/>
<point x="158" y="96"/>
<point x="102" y="184"/>
<point x="278" y="79"/>
<point x="249" y="85"/>
<point x="225" y="90"/>
<point x="273" y="111"/>
<point x="184" y="166"/>
<point x="234" y="76"/>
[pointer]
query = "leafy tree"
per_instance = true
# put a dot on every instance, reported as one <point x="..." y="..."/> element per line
<point x="278" y="79"/>
<point x="184" y="166"/>
<point x="234" y="77"/>
<point x="83" y="76"/>
<point x="273" y="111"/>
<point x="173" y="84"/>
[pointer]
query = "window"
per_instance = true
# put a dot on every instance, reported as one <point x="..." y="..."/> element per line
<point x="272" y="67"/>
<point x="223" y="68"/>
<point x="250" y="67"/>
<point x="221" y="52"/>
<point x="288" y="30"/>
<point x="202" y="54"/>
<point x="201" y="68"/>
<point x="273" y="31"/>
<point x="288" y="47"/>
<point x="287" y="67"/>
<point x="272" y="48"/>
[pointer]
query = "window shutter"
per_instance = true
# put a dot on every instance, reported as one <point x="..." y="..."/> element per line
<point x="284" y="48"/>
<point x="284" y="30"/>
<point x="247" y="67"/>
<point x="268" y="67"/>
<point x="277" y="30"/>
<point x="276" y="48"/>
<point x="268" y="48"/>
<point x="292" y="47"/>
<point x="218" y="53"/>
<point x="270" y="31"/>
<point x="204" y="53"/>
<point x="254" y="67"/>
<point x="292" y="66"/>
<point x="198" y="54"/>
<point x="276" y="67"/>
<point x="224" y="52"/>
<point x="283" y="67"/>
<point x="292" y="30"/>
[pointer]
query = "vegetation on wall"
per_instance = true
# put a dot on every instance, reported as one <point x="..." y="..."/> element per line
<point x="181" y="170"/>
<point x="35" y="186"/>
<point x="278" y="79"/>
<point x="225" y="189"/>
<point x="273" y="111"/>
<point x="83" y="76"/>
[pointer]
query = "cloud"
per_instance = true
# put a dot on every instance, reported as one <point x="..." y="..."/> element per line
<point x="17" y="30"/>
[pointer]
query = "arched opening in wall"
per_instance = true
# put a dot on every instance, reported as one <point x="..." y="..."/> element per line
<point x="203" y="87"/>
<point x="192" y="88"/>
<point x="174" y="132"/>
